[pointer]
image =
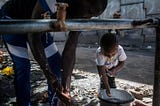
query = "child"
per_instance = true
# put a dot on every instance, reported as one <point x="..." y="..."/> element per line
<point x="110" y="58"/>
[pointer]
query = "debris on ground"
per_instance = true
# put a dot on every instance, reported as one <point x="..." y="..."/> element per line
<point x="84" y="87"/>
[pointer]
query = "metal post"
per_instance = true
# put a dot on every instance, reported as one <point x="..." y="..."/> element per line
<point x="156" y="88"/>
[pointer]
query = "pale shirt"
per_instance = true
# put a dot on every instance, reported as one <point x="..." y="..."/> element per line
<point x="102" y="60"/>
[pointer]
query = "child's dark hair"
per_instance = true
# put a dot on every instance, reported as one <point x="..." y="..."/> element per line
<point x="108" y="41"/>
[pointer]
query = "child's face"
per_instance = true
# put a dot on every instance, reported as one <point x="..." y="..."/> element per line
<point x="111" y="52"/>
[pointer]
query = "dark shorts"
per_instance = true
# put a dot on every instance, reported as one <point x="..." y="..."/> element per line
<point x="111" y="81"/>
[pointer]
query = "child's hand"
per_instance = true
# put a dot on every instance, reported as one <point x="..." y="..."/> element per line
<point x="113" y="73"/>
<point x="109" y="73"/>
<point x="108" y="93"/>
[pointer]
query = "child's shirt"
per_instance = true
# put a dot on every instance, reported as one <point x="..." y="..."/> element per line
<point x="110" y="62"/>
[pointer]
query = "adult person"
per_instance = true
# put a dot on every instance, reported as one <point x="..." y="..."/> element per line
<point x="77" y="9"/>
<point x="17" y="48"/>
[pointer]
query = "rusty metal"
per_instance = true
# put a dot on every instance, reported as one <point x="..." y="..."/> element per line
<point x="61" y="11"/>
<point x="60" y="25"/>
<point x="49" y="25"/>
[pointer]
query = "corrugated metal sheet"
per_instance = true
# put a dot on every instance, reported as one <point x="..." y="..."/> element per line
<point x="130" y="1"/>
<point x="135" y="11"/>
<point x="152" y="7"/>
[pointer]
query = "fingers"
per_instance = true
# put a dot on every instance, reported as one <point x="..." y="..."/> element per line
<point x="62" y="95"/>
<point x="62" y="102"/>
<point x="108" y="93"/>
<point x="70" y="102"/>
<point x="111" y="73"/>
<point x="65" y="98"/>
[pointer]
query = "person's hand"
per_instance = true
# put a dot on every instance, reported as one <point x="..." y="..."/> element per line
<point x="109" y="74"/>
<point x="73" y="101"/>
<point x="62" y="95"/>
<point x="64" y="99"/>
<point x="112" y="72"/>
<point x="108" y="93"/>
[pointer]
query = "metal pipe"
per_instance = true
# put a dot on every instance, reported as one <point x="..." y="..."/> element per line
<point x="24" y="26"/>
<point x="156" y="87"/>
<point x="104" y="24"/>
<point x="48" y="25"/>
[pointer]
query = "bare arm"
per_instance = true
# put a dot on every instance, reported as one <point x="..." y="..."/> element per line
<point x="116" y="69"/>
<point x="37" y="48"/>
<point x="103" y="76"/>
